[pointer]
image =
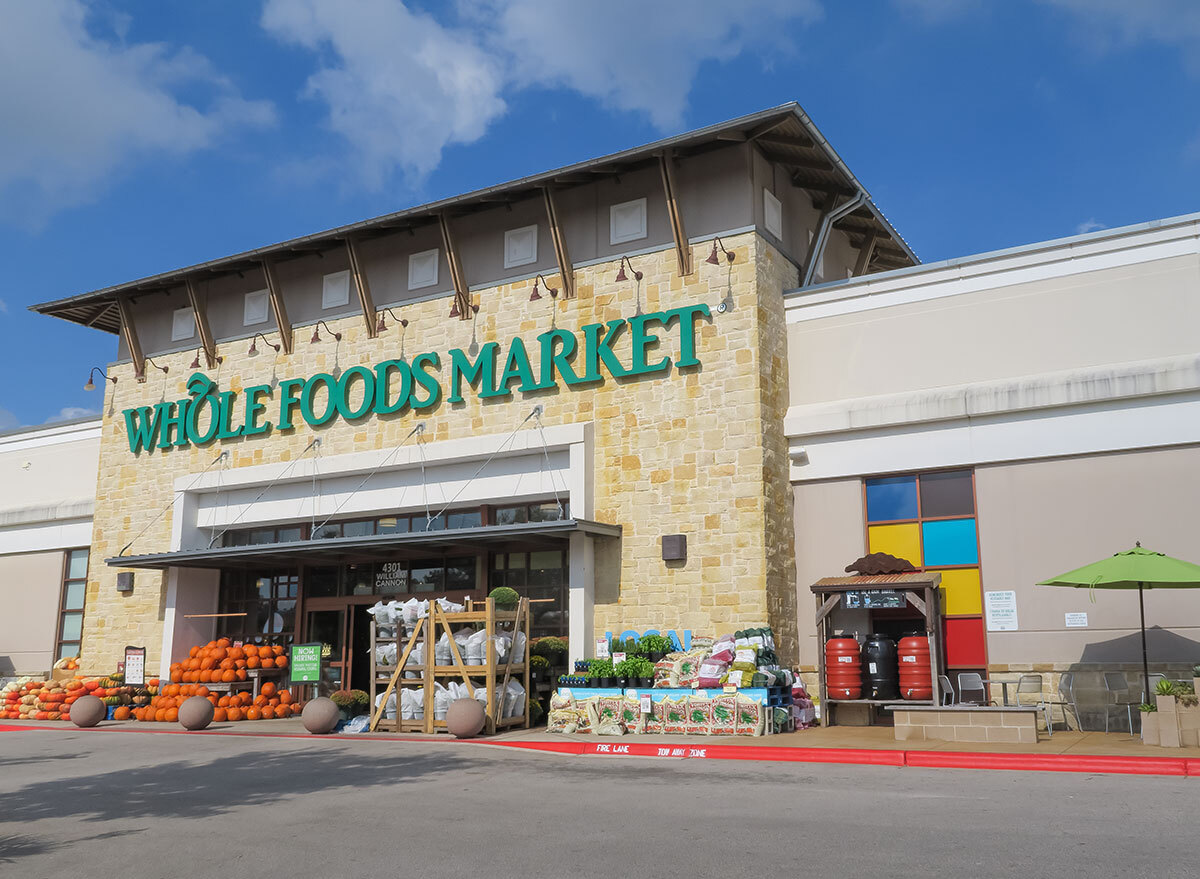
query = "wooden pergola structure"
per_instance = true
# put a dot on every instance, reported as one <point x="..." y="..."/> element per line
<point x="920" y="589"/>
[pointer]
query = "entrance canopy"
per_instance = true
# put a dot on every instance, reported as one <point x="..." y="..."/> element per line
<point x="376" y="547"/>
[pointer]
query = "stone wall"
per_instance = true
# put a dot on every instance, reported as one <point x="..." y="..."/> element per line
<point x="698" y="451"/>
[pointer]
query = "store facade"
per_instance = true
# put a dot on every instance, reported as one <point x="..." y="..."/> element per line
<point x="532" y="386"/>
<point x="1000" y="419"/>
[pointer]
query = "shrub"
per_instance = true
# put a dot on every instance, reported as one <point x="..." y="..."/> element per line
<point x="342" y="699"/>
<point x="552" y="648"/>
<point x="1165" y="688"/>
<point x="539" y="662"/>
<point x="656" y="644"/>
<point x="504" y="597"/>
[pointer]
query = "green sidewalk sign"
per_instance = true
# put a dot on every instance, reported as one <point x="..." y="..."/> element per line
<point x="305" y="663"/>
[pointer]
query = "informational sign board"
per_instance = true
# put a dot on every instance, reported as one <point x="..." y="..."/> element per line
<point x="618" y="658"/>
<point x="1076" y="620"/>
<point x="305" y="663"/>
<point x="135" y="666"/>
<point x="873" y="598"/>
<point x="602" y="648"/>
<point x="391" y="577"/>
<point x="647" y="703"/>
<point x="1000" y="608"/>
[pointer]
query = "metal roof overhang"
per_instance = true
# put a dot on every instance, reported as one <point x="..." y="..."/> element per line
<point x="378" y="547"/>
<point x="785" y="134"/>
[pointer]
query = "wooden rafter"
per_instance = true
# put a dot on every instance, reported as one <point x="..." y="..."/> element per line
<point x="865" y="253"/>
<point x="683" y="253"/>
<point x="200" y="310"/>
<point x="275" y="295"/>
<point x="565" y="269"/>
<point x="461" y="294"/>
<point x="129" y="331"/>
<point x="364" y="289"/>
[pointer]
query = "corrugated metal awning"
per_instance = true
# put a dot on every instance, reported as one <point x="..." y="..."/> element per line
<point x="914" y="580"/>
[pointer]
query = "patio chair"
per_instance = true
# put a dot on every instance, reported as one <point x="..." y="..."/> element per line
<point x="1116" y="695"/>
<point x="1066" y="698"/>
<point x="970" y="683"/>
<point x="947" y="690"/>
<point x="1029" y="692"/>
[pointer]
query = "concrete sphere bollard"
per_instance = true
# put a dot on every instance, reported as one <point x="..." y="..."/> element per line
<point x="88" y="711"/>
<point x="320" y="716"/>
<point x="465" y="718"/>
<point x="196" y="713"/>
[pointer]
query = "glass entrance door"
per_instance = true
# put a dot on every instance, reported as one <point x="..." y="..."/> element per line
<point x="328" y="627"/>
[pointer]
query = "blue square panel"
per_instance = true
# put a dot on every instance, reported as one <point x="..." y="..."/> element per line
<point x="891" y="497"/>
<point x="949" y="542"/>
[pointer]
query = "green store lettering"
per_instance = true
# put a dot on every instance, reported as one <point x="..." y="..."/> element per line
<point x="393" y="386"/>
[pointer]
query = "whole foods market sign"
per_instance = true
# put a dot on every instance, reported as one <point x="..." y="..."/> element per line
<point x="394" y="386"/>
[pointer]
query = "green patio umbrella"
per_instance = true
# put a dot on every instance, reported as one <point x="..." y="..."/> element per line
<point x="1138" y="569"/>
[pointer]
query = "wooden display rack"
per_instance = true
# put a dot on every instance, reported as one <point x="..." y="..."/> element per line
<point x="495" y="675"/>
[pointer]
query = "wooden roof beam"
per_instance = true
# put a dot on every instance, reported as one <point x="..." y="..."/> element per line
<point x="683" y="253"/>
<point x="462" y="296"/>
<point x="129" y="331"/>
<point x="275" y="296"/>
<point x="359" y="274"/>
<point x="565" y="270"/>
<point x="200" y="312"/>
<point x="865" y="252"/>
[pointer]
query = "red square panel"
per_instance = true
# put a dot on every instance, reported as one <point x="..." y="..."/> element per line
<point x="964" y="642"/>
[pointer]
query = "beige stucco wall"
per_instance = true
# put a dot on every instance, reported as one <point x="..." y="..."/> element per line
<point x="685" y="453"/>
<point x="30" y="586"/>
<point x="1019" y="330"/>
<point x="46" y="474"/>
<point x="1042" y="518"/>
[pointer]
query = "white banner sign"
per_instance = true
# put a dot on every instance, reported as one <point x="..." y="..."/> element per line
<point x="1076" y="620"/>
<point x="1001" y="610"/>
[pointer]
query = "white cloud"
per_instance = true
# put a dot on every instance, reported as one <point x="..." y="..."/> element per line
<point x="3" y="307"/>
<point x="401" y="86"/>
<point x="79" y="108"/>
<point x="7" y="420"/>
<point x="1115" y="22"/>
<point x="67" y="413"/>
<point x="1089" y="225"/>
<point x="938" y="11"/>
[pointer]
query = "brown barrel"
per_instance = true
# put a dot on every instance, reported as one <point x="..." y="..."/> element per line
<point x="915" y="671"/>
<point x="843" y="669"/>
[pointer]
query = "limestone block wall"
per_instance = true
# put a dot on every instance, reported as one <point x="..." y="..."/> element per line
<point x="697" y="451"/>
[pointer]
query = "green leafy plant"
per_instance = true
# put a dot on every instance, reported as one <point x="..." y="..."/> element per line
<point x="600" y="668"/>
<point x="655" y="644"/>
<point x="1146" y="707"/>
<point x="635" y="667"/>
<point x="1165" y="688"/>
<point x="539" y="662"/>
<point x="1182" y="688"/>
<point x="1196" y="670"/>
<point x="360" y="698"/>
<point x="504" y="597"/>
<point x="1189" y="700"/>
<point x="535" y="711"/>
<point x="552" y="648"/>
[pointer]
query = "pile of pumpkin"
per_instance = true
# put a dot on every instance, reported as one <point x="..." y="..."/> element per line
<point x="221" y="662"/>
<point x="271" y="702"/>
<point x="52" y="700"/>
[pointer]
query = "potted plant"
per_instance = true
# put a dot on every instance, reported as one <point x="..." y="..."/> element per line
<point x="554" y="649"/>
<point x="643" y="672"/>
<point x="628" y="671"/>
<point x="539" y="667"/>
<point x="601" y="672"/>
<point x="655" y="647"/>
<point x="1164" y="696"/>
<point x="504" y="598"/>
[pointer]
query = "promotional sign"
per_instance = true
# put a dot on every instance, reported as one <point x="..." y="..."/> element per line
<point x="1000" y="608"/>
<point x="135" y="666"/>
<point x="602" y="648"/>
<point x="305" y="663"/>
<point x="393" y="386"/>
<point x="618" y="658"/>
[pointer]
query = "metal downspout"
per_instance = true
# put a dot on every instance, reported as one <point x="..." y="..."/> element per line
<point x="823" y="233"/>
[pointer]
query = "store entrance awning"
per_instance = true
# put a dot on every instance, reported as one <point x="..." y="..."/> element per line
<point x="377" y="547"/>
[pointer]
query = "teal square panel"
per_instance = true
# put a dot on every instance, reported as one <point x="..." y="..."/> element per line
<point x="949" y="542"/>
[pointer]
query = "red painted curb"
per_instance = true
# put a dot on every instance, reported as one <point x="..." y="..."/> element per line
<point x="1051" y="763"/>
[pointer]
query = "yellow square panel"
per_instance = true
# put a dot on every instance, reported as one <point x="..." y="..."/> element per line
<point x="960" y="592"/>
<point x="902" y="541"/>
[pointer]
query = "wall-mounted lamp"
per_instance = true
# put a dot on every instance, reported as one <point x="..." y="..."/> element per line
<point x="253" y="352"/>
<point x="316" y="336"/>
<point x="163" y="369"/>
<point x="535" y="295"/>
<point x="715" y="260"/>
<point x="195" y="364"/>
<point x="621" y="276"/>
<point x="91" y="385"/>
<point x="382" y="327"/>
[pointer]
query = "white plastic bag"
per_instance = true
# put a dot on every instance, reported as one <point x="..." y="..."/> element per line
<point x="412" y="703"/>
<point x="359" y="724"/>
<point x="385" y="654"/>
<point x="416" y="659"/>
<point x="514" y="700"/>
<point x="441" y="651"/>
<point x="441" y="701"/>
<point x="476" y="644"/>
<point x="389" y="710"/>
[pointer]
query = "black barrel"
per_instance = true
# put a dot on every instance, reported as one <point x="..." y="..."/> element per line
<point x="881" y="669"/>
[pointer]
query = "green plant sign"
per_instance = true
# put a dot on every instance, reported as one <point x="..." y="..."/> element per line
<point x="392" y="386"/>
<point x="305" y="663"/>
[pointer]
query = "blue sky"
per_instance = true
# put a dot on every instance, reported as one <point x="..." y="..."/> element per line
<point x="144" y="137"/>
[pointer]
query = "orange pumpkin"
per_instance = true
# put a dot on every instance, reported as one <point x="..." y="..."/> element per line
<point x="250" y="650"/>
<point x="234" y="714"/>
<point x="223" y="642"/>
<point x="223" y="702"/>
<point x="122" y="713"/>
<point x="172" y="715"/>
<point x="220" y="715"/>
<point x="267" y="712"/>
<point x="281" y="661"/>
<point x="268" y="689"/>
<point x="241" y="674"/>
<point x="253" y="713"/>
<point x="228" y="676"/>
<point x="252" y="662"/>
<point x="285" y="697"/>
<point x="267" y="662"/>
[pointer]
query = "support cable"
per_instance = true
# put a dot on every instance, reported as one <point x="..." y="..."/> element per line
<point x="163" y="511"/>
<point x="416" y="431"/>
<point x="316" y="443"/>
<point x="537" y="411"/>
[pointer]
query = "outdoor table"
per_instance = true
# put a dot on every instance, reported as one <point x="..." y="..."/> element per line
<point x="1003" y="688"/>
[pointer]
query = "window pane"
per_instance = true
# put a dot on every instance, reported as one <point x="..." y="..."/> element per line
<point x="321" y="582"/>
<point x="468" y="519"/>
<point x="947" y="494"/>
<point x="516" y="560"/>
<point x="264" y="585"/>
<point x="324" y="532"/>
<point x="360" y="579"/>
<point x="460" y="573"/>
<point x="73" y="599"/>
<point x="891" y="498"/>
<point x="263" y="621"/>
<point x="547" y="512"/>
<point x="77" y="564"/>
<point x="392" y="525"/>
<point x="290" y="535"/>
<point x="286" y="611"/>
<point x="66" y="651"/>
<point x="72" y="627"/>
<point x="902" y="541"/>
<point x="421" y="523"/>
<point x="427" y="576"/>
<point x="262" y="536"/>
<point x="237" y="538"/>
<point x="391" y="578"/>
<point x="358" y="529"/>
<point x="950" y="542"/>
<point x="498" y="561"/>
<point x="514" y="578"/>
<point x="511" y="515"/>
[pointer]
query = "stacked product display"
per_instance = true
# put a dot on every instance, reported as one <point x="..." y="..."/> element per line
<point x="31" y="699"/>
<point x="731" y="685"/>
